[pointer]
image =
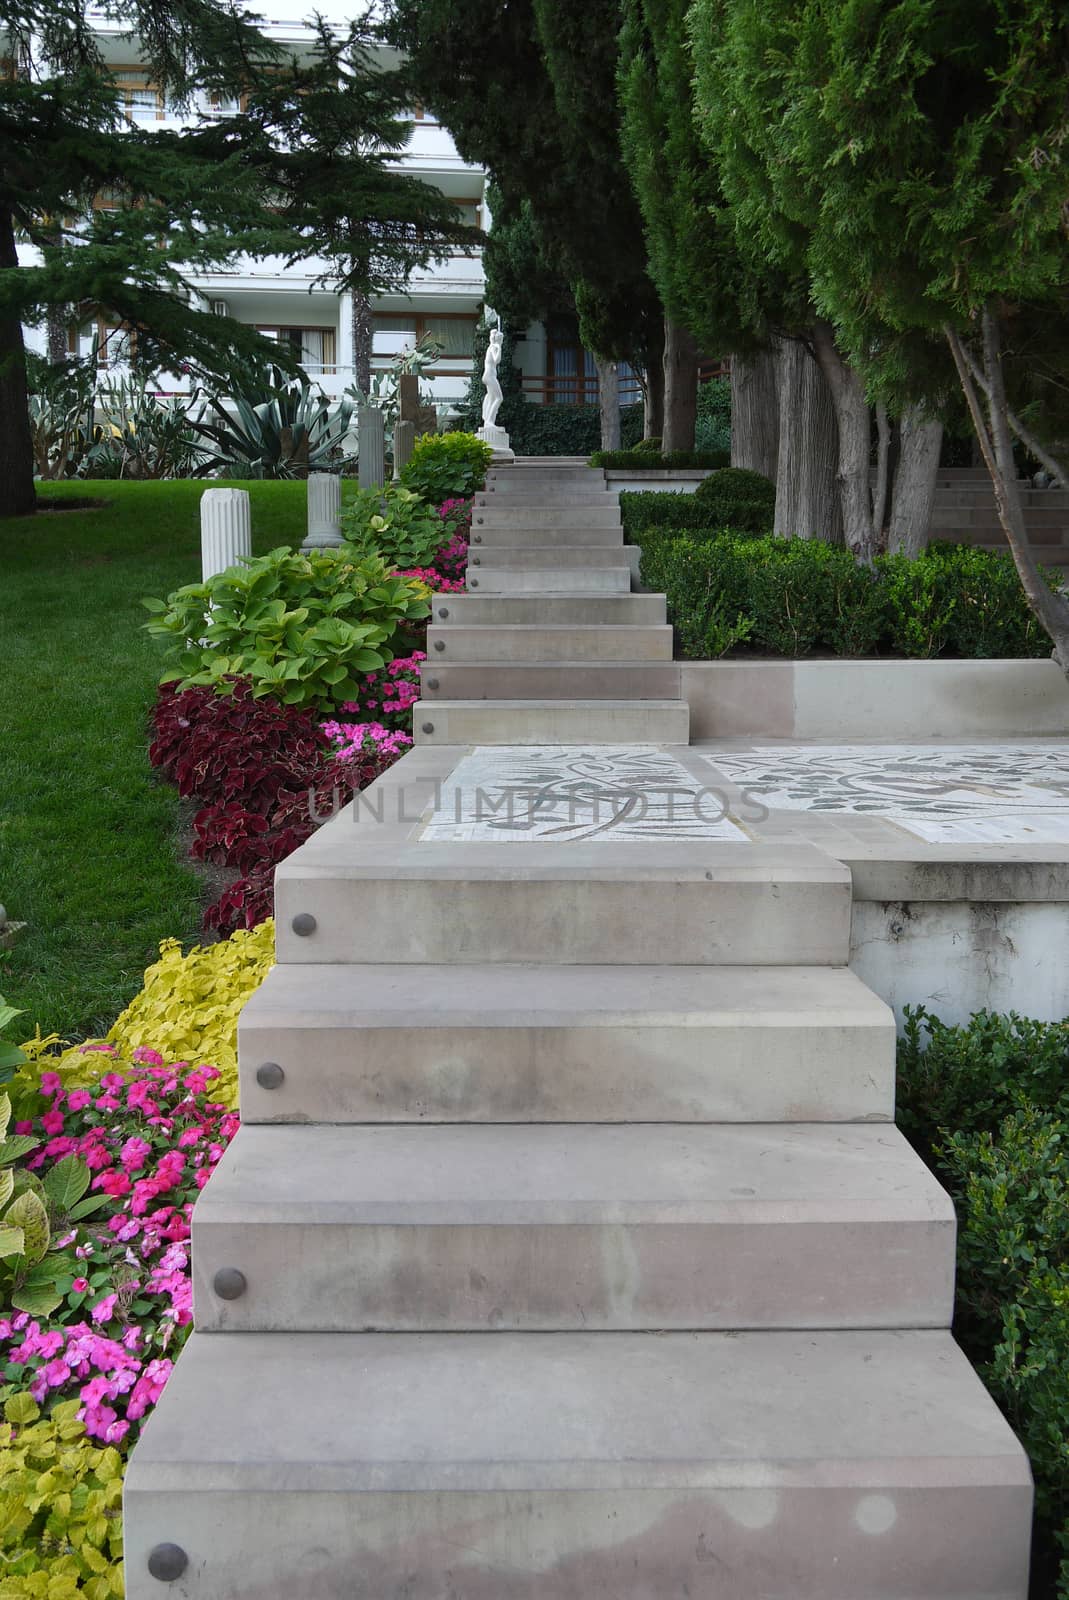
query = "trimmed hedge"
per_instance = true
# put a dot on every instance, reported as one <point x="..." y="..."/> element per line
<point x="987" y="1106"/>
<point x="788" y="597"/>
<point x="738" y="498"/>
<point x="663" y="508"/>
<point x="643" y="460"/>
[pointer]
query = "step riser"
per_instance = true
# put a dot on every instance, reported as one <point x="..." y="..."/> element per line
<point x="529" y="1278"/>
<point x="469" y="611"/>
<point x="525" y="558"/>
<point x="500" y="515"/>
<point x="802" y="1541"/>
<point x="547" y="538"/>
<point x="539" y="681"/>
<point x="550" y="580"/>
<point x="597" y="495"/>
<point x="631" y="921"/>
<point x="639" y="1072"/>
<point x="604" y="643"/>
<point x="511" y="722"/>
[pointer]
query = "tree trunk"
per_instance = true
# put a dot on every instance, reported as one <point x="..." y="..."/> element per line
<point x="855" y="443"/>
<point x="57" y="335"/>
<point x="755" y="413"/>
<point x="914" y="489"/>
<point x="363" y="334"/>
<point x="680" y="387"/>
<point x="883" y="459"/>
<point x="653" y="392"/>
<point x="17" y="496"/>
<point x="993" y="436"/>
<point x="807" y="494"/>
<point x="609" y="402"/>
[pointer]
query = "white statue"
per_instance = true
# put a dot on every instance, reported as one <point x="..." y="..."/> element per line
<point x="493" y="397"/>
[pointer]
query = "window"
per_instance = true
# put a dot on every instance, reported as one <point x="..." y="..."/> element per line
<point x="314" y="348"/>
<point x="572" y="375"/>
<point x="114" y="342"/>
<point x="455" y="332"/>
<point x="138" y="96"/>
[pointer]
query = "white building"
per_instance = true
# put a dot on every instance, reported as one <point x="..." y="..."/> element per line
<point x="283" y="302"/>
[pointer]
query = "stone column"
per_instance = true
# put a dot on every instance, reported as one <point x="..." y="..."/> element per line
<point x="225" y="530"/>
<point x="404" y="439"/>
<point x="408" y="397"/>
<point x="324" y="512"/>
<point x="372" y="446"/>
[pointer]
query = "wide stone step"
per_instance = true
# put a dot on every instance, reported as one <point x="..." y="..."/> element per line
<point x="504" y="514"/>
<point x="498" y="1043"/>
<point x="548" y="1228"/>
<point x="527" y="556"/>
<point x="534" y="476"/>
<point x="512" y="611"/>
<point x="807" y="1466"/>
<point x="561" y="680"/>
<point x="550" y="580"/>
<point x="548" y="537"/>
<point x="596" y="493"/>
<point x="552" y="642"/>
<point x="590" y="902"/>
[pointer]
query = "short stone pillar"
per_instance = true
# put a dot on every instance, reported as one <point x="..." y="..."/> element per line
<point x="404" y="441"/>
<point x="408" y="404"/>
<point x="225" y="530"/>
<point x="371" y="445"/>
<point x="324" y="512"/>
<point x="498" y="440"/>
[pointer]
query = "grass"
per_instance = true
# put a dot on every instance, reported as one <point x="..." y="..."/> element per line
<point x="89" y="839"/>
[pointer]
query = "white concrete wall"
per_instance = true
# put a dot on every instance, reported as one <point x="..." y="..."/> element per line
<point x="961" y="956"/>
<point x="883" y="699"/>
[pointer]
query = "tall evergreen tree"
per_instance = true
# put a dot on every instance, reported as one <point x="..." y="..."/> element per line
<point x="301" y="171"/>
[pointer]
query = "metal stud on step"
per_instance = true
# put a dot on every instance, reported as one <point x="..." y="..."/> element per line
<point x="476" y="561"/>
<point x="304" y="924"/>
<point x="439" y="644"/>
<point x="477" y="539"/>
<point x="270" y="1075"/>
<point x="428" y="727"/>
<point x="474" y="583"/>
<point x="229" y="1283"/>
<point x="167" y="1562"/>
<point x="444" y="611"/>
<point x="432" y="683"/>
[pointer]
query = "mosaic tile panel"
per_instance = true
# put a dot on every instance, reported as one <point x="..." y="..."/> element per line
<point x="565" y="792"/>
<point x="945" y="794"/>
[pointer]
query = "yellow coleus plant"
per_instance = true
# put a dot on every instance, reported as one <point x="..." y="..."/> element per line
<point x="187" y="1010"/>
<point x="60" y="1507"/>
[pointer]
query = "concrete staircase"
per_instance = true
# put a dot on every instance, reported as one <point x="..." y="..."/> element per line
<point x="593" y="666"/>
<point x="568" y="1250"/>
<point x="965" y="513"/>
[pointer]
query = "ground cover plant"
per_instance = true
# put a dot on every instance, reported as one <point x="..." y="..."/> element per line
<point x="987" y="1106"/>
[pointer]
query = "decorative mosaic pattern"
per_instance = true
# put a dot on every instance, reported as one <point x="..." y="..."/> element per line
<point x="564" y="792"/>
<point x="946" y="794"/>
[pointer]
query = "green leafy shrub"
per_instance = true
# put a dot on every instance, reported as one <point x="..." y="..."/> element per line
<point x="60" y="1506"/>
<point x="301" y="626"/>
<point x="651" y="446"/>
<point x="712" y="427"/>
<point x="799" y="595"/>
<point x="447" y="466"/>
<point x="987" y="1104"/>
<point x="640" y="460"/>
<point x="658" y="508"/>
<point x="737" y="498"/>
<point x="395" y="524"/>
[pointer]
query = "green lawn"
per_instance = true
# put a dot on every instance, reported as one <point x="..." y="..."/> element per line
<point x="88" y="838"/>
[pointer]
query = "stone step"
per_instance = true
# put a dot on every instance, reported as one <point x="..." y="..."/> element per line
<point x="527" y="555"/>
<point x="1037" y="519"/>
<point x="547" y="538"/>
<point x="553" y="580"/>
<point x="559" y="680"/>
<point x="599" y="901"/>
<point x="503" y="514"/>
<point x="498" y="1043"/>
<point x="552" y="1229"/>
<point x="551" y="611"/>
<point x="529" y="722"/>
<point x="535" y="474"/>
<point x="594" y="494"/>
<point x="814" y="1466"/>
<point x="549" y="642"/>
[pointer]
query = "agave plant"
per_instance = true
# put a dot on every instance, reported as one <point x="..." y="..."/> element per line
<point x="61" y="413"/>
<point x="285" y="431"/>
<point x="140" y="436"/>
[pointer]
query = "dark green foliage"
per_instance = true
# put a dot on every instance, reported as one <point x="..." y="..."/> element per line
<point x="281" y="428"/>
<point x="646" y="460"/>
<point x="739" y="498"/>
<point x="653" y="508"/>
<point x="800" y="595"/>
<point x="712" y="430"/>
<point x="987" y="1105"/>
<point x="447" y="466"/>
